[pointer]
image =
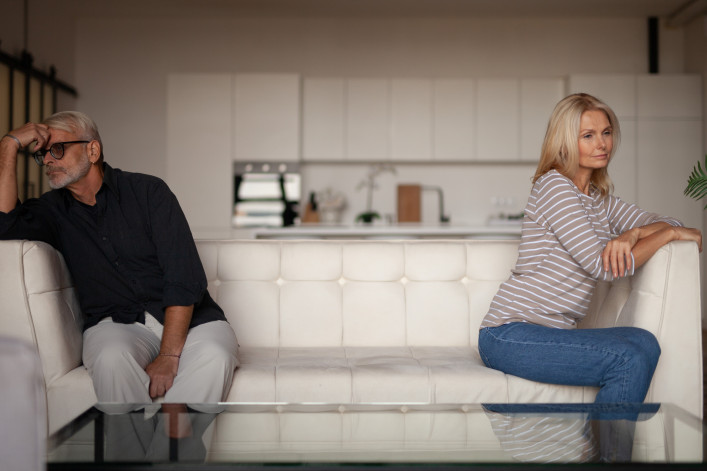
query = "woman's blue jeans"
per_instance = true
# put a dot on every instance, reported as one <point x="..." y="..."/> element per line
<point x="618" y="360"/>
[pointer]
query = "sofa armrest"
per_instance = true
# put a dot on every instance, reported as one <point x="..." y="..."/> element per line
<point x="23" y="413"/>
<point x="40" y="305"/>
<point x="665" y="299"/>
<point x="15" y="319"/>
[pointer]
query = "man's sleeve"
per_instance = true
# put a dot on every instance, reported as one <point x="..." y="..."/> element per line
<point x="31" y="220"/>
<point x="184" y="277"/>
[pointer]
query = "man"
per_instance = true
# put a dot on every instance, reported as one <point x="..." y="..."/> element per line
<point x="151" y="328"/>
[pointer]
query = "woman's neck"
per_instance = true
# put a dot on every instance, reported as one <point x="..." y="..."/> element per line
<point x="583" y="179"/>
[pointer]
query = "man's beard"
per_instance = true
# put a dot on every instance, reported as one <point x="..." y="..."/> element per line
<point x="60" y="177"/>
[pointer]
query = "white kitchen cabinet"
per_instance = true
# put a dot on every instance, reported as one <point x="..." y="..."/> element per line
<point x="616" y="90"/>
<point x="498" y="120"/>
<point x="267" y="117"/>
<point x="323" y="111"/>
<point x="538" y="98"/>
<point x="199" y="146"/>
<point x="669" y="109"/>
<point x="661" y="124"/>
<point x="669" y="96"/>
<point x="667" y="151"/>
<point x="411" y="119"/>
<point x="623" y="166"/>
<point x="619" y="92"/>
<point x="367" y="119"/>
<point x="454" y="120"/>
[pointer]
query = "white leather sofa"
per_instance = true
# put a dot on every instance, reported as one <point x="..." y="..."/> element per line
<point x="362" y="321"/>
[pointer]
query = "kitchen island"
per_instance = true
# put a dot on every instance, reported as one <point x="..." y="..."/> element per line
<point x="390" y="231"/>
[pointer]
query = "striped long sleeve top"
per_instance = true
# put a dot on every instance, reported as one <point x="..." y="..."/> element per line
<point x="560" y="254"/>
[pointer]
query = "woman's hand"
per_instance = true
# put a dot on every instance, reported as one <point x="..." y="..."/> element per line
<point x="688" y="233"/>
<point x="617" y="253"/>
<point x="643" y="242"/>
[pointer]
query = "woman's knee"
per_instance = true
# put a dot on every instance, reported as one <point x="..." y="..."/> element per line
<point x="647" y="345"/>
<point x="638" y="353"/>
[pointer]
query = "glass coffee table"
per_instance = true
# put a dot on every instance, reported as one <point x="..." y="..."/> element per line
<point x="323" y="436"/>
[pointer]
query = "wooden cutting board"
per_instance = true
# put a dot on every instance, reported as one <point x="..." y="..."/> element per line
<point x="409" y="203"/>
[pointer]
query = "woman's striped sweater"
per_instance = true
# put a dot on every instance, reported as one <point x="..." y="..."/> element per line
<point x="559" y="257"/>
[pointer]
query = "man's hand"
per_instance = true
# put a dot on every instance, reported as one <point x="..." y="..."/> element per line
<point x="32" y="132"/>
<point x="165" y="367"/>
<point x="617" y="253"/>
<point x="162" y="372"/>
<point x="9" y="147"/>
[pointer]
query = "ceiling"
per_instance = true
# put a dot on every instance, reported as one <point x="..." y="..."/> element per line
<point x="393" y="8"/>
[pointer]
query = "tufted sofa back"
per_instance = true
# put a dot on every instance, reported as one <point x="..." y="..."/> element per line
<point x="356" y="293"/>
<point x="303" y="294"/>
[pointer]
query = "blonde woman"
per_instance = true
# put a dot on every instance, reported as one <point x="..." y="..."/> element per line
<point x="576" y="232"/>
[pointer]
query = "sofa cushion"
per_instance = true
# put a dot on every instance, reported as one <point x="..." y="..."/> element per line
<point x="356" y="293"/>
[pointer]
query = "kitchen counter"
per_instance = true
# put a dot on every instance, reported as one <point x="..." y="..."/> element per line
<point x="394" y="231"/>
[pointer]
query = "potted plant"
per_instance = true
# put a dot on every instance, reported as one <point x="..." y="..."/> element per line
<point x="369" y="183"/>
<point x="697" y="182"/>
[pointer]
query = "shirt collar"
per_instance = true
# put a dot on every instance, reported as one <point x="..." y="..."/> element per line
<point x="110" y="179"/>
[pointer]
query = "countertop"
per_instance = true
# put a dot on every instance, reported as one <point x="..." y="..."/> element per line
<point x="492" y="230"/>
<point x="390" y="231"/>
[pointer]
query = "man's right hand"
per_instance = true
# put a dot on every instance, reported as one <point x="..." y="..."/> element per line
<point x="26" y="135"/>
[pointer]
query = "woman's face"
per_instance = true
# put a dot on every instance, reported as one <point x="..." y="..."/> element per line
<point x="595" y="140"/>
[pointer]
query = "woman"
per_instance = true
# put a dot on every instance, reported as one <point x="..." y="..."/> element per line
<point x="566" y="246"/>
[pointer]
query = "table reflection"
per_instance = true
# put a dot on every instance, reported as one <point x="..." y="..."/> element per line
<point x="568" y="433"/>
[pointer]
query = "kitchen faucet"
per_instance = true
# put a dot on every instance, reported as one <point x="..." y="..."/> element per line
<point x="443" y="219"/>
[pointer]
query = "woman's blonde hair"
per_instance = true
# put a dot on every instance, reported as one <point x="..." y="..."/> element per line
<point x="560" y="149"/>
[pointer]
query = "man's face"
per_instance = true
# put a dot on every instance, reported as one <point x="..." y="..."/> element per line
<point x="72" y="167"/>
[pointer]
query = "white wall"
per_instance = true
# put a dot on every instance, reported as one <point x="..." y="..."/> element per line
<point x="119" y="61"/>
<point x="122" y="67"/>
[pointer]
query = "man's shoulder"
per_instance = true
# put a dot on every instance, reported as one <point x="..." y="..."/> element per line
<point x="137" y="179"/>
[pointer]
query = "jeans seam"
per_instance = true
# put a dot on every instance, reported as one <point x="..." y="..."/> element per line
<point x="603" y="350"/>
<point x="588" y="347"/>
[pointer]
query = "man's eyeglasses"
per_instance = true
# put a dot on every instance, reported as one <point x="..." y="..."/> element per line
<point x="56" y="150"/>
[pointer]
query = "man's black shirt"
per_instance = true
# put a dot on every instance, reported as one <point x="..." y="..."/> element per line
<point x="132" y="252"/>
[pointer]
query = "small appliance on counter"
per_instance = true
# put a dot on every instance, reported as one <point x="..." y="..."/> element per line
<point x="265" y="194"/>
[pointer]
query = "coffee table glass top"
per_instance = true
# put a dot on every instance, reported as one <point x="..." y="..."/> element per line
<point x="203" y="435"/>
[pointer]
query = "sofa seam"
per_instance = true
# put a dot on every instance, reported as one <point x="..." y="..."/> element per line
<point x="666" y="293"/>
<point x="31" y="318"/>
<point x="405" y="296"/>
<point x="669" y="248"/>
<point x="25" y="291"/>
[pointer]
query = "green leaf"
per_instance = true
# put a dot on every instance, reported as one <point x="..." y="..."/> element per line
<point x="697" y="182"/>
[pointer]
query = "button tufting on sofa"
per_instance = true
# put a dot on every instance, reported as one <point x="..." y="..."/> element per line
<point x="362" y="321"/>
